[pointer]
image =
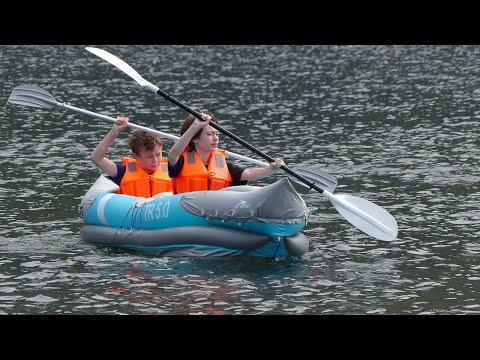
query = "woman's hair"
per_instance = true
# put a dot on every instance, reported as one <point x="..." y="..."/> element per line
<point x="142" y="139"/>
<point x="189" y="121"/>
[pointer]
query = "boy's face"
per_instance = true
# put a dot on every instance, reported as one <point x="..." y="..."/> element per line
<point x="149" y="160"/>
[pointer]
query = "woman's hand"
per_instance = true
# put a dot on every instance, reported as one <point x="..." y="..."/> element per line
<point x="199" y="124"/>
<point x="276" y="164"/>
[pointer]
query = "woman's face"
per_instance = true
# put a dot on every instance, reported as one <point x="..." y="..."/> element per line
<point x="208" y="139"/>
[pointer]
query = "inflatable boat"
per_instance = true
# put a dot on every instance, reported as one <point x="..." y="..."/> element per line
<point x="238" y="220"/>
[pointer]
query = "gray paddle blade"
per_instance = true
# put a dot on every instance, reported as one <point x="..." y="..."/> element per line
<point x="320" y="178"/>
<point x="31" y="95"/>
<point x="365" y="215"/>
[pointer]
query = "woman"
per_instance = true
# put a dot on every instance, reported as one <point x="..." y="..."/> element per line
<point x="196" y="163"/>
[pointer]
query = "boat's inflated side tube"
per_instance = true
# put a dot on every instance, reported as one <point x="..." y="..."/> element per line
<point x="209" y="236"/>
<point x="193" y="241"/>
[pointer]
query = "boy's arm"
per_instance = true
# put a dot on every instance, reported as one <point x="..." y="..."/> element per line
<point x="98" y="155"/>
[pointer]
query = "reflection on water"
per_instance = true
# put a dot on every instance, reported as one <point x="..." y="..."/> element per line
<point x="396" y="125"/>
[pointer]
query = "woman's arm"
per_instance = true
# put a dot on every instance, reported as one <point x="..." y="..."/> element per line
<point x="257" y="173"/>
<point x="181" y="144"/>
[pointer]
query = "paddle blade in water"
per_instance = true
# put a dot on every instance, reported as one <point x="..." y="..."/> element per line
<point x="365" y="215"/>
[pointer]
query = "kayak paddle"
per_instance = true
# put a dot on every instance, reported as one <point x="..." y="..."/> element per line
<point x="363" y="214"/>
<point x="30" y="95"/>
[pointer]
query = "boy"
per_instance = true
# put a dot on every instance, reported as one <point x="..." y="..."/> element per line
<point x="146" y="173"/>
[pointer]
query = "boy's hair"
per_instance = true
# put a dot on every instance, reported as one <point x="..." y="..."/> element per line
<point x="189" y="121"/>
<point x="142" y="139"/>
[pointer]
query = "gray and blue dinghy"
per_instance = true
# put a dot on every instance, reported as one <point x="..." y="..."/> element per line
<point x="239" y="220"/>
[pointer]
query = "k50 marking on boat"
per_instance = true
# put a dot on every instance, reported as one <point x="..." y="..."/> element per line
<point x="157" y="212"/>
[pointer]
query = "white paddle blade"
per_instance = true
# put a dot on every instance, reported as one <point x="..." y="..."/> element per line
<point x="365" y="215"/>
<point x="122" y="65"/>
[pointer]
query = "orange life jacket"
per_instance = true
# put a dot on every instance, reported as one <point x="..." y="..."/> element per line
<point x="195" y="177"/>
<point x="137" y="182"/>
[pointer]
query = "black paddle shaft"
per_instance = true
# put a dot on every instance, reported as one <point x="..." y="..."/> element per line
<point x="237" y="139"/>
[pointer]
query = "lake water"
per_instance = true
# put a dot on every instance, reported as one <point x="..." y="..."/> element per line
<point x="396" y="125"/>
